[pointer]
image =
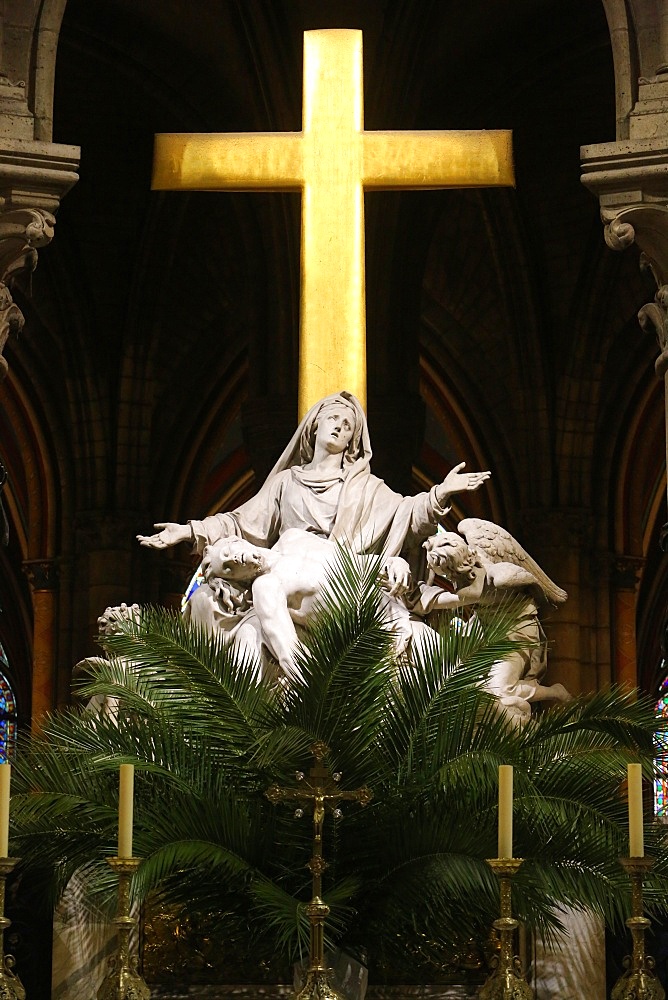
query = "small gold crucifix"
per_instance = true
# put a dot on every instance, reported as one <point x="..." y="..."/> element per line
<point x="321" y="788"/>
<point x="332" y="161"/>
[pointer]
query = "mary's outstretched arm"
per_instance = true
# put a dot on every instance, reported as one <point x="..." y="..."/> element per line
<point x="169" y="533"/>
<point x="457" y="481"/>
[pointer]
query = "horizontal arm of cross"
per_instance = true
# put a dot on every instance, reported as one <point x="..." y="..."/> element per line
<point x="411" y="160"/>
<point x="233" y="161"/>
<point x="306" y="793"/>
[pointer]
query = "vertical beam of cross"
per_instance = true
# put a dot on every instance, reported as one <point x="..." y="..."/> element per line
<point x="332" y="161"/>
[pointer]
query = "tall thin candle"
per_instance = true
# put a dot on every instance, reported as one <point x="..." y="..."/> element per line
<point x="505" y="811"/>
<point x="636" y="839"/>
<point x="5" y="776"/>
<point x="125" y="810"/>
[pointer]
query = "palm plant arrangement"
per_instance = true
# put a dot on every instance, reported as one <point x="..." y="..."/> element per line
<point x="207" y="740"/>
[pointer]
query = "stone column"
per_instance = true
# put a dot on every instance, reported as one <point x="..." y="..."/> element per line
<point x="561" y="542"/>
<point x="624" y="580"/>
<point x="630" y="179"/>
<point x="630" y="176"/>
<point x="35" y="173"/>
<point x="105" y="550"/>
<point x="43" y="575"/>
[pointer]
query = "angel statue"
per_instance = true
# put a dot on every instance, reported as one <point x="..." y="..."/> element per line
<point x="107" y="624"/>
<point x="485" y="564"/>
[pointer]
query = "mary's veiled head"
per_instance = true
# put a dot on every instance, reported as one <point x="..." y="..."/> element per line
<point x="348" y="408"/>
<point x="300" y="448"/>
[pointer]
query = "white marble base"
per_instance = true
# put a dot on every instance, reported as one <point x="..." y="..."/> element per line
<point x="83" y="942"/>
<point x="574" y="967"/>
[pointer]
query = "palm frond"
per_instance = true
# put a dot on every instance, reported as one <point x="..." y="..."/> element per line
<point x="207" y="739"/>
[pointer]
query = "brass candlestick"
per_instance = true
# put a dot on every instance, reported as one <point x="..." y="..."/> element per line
<point x="639" y="981"/>
<point x="11" y="987"/>
<point x="320" y="788"/>
<point x="507" y="980"/>
<point x="123" y="981"/>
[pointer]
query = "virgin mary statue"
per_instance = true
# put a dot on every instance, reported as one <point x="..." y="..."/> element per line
<point x="323" y="484"/>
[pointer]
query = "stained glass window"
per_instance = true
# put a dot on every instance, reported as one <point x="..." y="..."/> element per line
<point x="8" y="727"/>
<point x="661" y="784"/>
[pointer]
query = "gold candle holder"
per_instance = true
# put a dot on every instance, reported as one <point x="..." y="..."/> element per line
<point x="507" y="979"/>
<point x="320" y="788"/>
<point x="123" y="982"/>
<point x="11" y="987"/>
<point x="639" y="981"/>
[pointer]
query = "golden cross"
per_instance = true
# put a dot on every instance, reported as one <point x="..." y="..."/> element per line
<point x="332" y="161"/>
<point x="321" y="787"/>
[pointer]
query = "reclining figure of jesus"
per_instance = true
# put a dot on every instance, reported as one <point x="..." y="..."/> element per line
<point x="285" y="584"/>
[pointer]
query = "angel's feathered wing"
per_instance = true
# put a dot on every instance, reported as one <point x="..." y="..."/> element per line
<point x="498" y="545"/>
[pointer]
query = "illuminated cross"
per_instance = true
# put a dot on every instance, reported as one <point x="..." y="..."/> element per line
<point x="332" y="161"/>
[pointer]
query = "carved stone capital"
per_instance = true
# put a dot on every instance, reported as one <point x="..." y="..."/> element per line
<point x="36" y="175"/>
<point x="42" y="573"/>
<point x="630" y="180"/>
<point x="618" y="234"/>
<point x="22" y="232"/>
<point x="625" y="571"/>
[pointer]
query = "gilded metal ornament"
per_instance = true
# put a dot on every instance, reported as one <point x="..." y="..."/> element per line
<point x="639" y="981"/>
<point x="320" y="787"/>
<point x="507" y="980"/>
<point x="123" y="981"/>
<point x="11" y="987"/>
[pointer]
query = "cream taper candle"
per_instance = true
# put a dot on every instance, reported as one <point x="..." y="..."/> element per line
<point x="5" y="775"/>
<point x="505" y="811"/>
<point x="636" y="839"/>
<point x="125" y="809"/>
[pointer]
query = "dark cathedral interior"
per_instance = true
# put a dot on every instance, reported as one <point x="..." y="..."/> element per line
<point x="155" y="378"/>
